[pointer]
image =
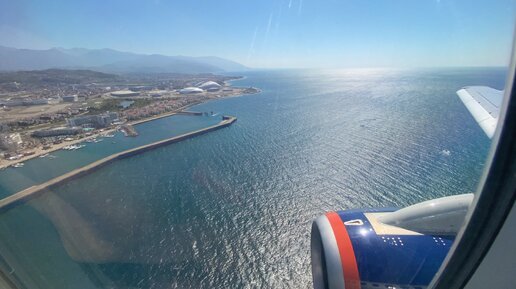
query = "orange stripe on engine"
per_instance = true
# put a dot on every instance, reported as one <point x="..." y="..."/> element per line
<point x="347" y="254"/>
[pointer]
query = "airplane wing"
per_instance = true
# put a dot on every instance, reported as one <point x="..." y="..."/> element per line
<point x="484" y="104"/>
<point x="365" y="248"/>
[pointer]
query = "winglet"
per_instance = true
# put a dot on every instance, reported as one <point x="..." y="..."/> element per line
<point x="484" y="105"/>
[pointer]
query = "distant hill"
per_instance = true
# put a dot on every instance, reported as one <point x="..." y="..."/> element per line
<point x="109" y="60"/>
<point x="38" y="77"/>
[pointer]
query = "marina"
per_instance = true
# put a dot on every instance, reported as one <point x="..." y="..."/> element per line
<point x="33" y="191"/>
<point x="74" y="147"/>
<point x="38" y="170"/>
<point x="129" y="130"/>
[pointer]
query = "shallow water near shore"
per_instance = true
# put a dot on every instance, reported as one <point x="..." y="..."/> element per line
<point x="233" y="208"/>
<point x="38" y="170"/>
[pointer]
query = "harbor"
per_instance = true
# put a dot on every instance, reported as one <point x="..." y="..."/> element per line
<point x="54" y="162"/>
<point x="33" y="191"/>
<point x="129" y="130"/>
<point x="95" y="137"/>
<point x="37" y="134"/>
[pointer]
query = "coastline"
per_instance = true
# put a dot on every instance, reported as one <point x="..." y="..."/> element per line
<point x="4" y="163"/>
<point x="24" y="195"/>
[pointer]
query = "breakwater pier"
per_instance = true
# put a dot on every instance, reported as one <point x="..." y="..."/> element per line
<point x="129" y="130"/>
<point x="186" y="112"/>
<point x="34" y="191"/>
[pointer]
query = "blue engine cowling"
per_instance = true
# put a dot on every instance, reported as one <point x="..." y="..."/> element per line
<point x="348" y="252"/>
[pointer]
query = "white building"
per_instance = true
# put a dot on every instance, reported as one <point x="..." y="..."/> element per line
<point x="124" y="93"/>
<point x="56" y="132"/>
<point x="70" y="98"/>
<point x="190" y="90"/>
<point x="24" y="102"/>
<point x="10" y="142"/>
<point x="210" y="86"/>
<point x="97" y="121"/>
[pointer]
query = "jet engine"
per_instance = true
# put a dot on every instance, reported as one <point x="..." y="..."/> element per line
<point x="385" y="248"/>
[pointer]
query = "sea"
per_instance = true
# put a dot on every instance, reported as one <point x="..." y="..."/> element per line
<point x="233" y="208"/>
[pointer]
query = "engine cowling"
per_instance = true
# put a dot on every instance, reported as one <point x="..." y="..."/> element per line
<point x="354" y="249"/>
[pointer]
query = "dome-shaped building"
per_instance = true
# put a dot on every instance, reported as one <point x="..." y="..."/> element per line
<point x="190" y="90"/>
<point x="210" y="86"/>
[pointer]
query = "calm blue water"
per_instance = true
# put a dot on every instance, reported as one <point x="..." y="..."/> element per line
<point x="39" y="170"/>
<point x="233" y="208"/>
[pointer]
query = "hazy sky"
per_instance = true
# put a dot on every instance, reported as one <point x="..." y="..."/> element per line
<point x="266" y="33"/>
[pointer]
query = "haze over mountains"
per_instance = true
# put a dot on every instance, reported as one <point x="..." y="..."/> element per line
<point x="109" y="60"/>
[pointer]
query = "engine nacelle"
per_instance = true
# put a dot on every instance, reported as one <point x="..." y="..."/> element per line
<point x="354" y="249"/>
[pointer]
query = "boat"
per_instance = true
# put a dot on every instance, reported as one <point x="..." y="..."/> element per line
<point x="18" y="165"/>
<point x="43" y="156"/>
<point x="73" y="147"/>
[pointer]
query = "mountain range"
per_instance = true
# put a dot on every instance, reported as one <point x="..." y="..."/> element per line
<point x="109" y="60"/>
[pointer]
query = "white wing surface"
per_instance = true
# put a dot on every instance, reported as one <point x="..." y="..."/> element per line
<point x="484" y="104"/>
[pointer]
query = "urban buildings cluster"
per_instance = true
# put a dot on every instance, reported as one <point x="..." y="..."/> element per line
<point x="93" y="121"/>
<point x="39" y="114"/>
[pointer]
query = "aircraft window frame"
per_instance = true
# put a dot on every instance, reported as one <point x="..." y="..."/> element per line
<point x="493" y="201"/>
